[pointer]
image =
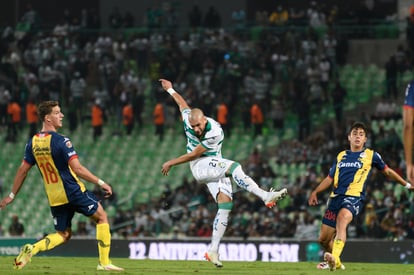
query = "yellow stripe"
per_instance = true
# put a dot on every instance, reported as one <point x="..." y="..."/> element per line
<point x="51" y="178"/>
<point x="356" y="186"/>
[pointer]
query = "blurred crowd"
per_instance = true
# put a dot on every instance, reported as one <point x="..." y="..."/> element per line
<point x="95" y="75"/>
<point x="281" y="68"/>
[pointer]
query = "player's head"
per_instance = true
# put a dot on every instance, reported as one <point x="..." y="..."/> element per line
<point x="197" y="121"/>
<point x="358" y="125"/>
<point x="357" y="135"/>
<point x="49" y="113"/>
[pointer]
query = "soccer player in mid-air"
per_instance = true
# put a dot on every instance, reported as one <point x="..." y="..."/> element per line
<point x="348" y="175"/>
<point x="61" y="171"/>
<point x="204" y="140"/>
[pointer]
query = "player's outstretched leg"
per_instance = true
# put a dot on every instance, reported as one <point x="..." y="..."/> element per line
<point x="244" y="181"/>
<point x="24" y="257"/>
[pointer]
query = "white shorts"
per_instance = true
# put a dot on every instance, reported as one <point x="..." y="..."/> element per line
<point x="209" y="169"/>
<point x="212" y="171"/>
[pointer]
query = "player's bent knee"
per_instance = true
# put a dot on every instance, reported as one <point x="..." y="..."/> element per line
<point x="324" y="242"/>
<point x="232" y="167"/>
<point x="66" y="235"/>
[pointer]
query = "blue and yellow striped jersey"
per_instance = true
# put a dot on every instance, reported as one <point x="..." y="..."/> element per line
<point x="351" y="170"/>
<point x="51" y="152"/>
<point x="212" y="138"/>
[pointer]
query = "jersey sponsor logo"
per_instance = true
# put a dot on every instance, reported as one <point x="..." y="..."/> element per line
<point x="38" y="150"/>
<point x="350" y="164"/>
<point x="71" y="153"/>
<point x="90" y="207"/>
<point x="68" y="144"/>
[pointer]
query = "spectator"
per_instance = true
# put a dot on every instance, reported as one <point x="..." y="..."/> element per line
<point x="277" y="114"/>
<point x="77" y="93"/>
<point x="16" y="228"/>
<point x="14" y="111"/>
<point x="257" y="119"/>
<point x="279" y="17"/>
<point x="31" y="117"/>
<point x="391" y="226"/>
<point x="128" y="118"/>
<point x="222" y="114"/>
<point x="30" y="17"/>
<point x="4" y="100"/>
<point x="325" y="72"/>
<point x="159" y="120"/>
<point x="371" y="222"/>
<point x="98" y="118"/>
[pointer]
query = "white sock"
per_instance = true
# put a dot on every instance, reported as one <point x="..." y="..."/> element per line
<point x="247" y="183"/>
<point x="219" y="227"/>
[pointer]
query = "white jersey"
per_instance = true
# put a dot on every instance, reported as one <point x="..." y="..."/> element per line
<point x="212" y="138"/>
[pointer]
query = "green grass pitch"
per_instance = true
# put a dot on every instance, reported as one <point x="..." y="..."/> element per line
<point x="75" y="266"/>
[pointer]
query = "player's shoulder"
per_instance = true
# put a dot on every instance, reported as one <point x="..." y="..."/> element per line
<point x="62" y="139"/>
<point x="213" y="128"/>
<point x="57" y="135"/>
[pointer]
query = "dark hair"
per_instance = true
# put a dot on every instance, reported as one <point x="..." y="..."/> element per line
<point x="358" y="124"/>
<point x="45" y="108"/>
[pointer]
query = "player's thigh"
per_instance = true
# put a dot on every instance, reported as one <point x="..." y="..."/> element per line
<point x="85" y="203"/>
<point x="62" y="217"/>
<point x="210" y="169"/>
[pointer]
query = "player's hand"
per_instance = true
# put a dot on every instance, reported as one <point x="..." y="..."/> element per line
<point x="108" y="190"/>
<point x="313" y="199"/>
<point x="166" y="168"/>
<point x="166" y="84"/>
<point x="5" y="202"/>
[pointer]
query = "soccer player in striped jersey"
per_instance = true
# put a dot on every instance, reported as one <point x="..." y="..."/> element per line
<point x="408" y="130"/>
<point x="61" y="171"/>
<point x="204" y="140"/>
<point x="348" y="175"/>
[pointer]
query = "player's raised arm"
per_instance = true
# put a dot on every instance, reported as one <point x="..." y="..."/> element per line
<point x="167" y="86"/>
